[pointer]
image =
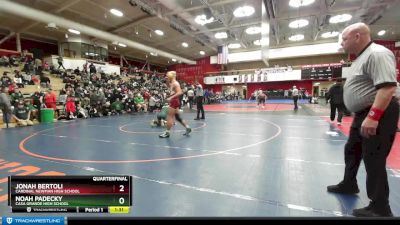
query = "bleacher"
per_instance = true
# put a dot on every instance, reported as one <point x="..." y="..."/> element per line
<point x="28" y="90"/>
<point x="55" y="81"/>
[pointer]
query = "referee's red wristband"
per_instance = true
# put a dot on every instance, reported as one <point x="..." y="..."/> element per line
<point x="375" y="114"/>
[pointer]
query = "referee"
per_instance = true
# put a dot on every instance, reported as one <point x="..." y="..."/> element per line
<point x="199" y="100"/>
<point x="5" y="105"/>
<point x="369" y="93"/>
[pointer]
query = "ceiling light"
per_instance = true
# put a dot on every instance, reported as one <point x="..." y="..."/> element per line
<point x="173" y="60"/>
<point x="184" y="44"/>
<point x="202" y="20"/>
<point x="202" y="53"/>
<point x="262" y="41"/>
<point x="299" y="3"/>
<point x="382" y="32"/>
<point x="221" y="35"/>
<point x="244" y="11"/>
<point x="116" y="12"/>
<point x="330" y="34"/>
<point x="66" y="36"/>
<point x="234" y="45"/>
<point x="122" y="45"/>
<point x="159" y="32"/>
<point x="298" y="23"/>
<point x="253" y="30"/>
<point x="153" y="54"/>
<point x="340" y="18"/>
<point x="297" y="37"/>
<point x="74" y="31"/>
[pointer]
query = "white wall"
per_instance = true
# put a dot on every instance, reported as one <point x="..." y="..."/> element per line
<point x="70" y="63"/>
<point x="85" y="39"/>
<point x="280" y="53"/>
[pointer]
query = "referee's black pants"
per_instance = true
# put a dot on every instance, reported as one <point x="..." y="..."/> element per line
<point x="295" y="98"/>
<point x="340" y="108"/>
<point x="200" y="107"/>
<point x="373" y="151"/>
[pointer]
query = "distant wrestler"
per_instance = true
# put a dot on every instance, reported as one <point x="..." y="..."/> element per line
<point x="261" y="97"/>
<point x="174" y="103"/>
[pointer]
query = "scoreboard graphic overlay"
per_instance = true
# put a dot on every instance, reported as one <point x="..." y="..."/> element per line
<point x="76" y="194"/>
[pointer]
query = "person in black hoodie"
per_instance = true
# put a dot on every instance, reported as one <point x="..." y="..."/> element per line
<point x="92" y="69"/>
<point x="335" y="97"/>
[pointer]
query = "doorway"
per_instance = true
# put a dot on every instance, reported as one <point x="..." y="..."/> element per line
<point x="315" y="91"/>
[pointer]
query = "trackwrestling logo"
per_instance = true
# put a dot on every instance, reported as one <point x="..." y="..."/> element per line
<point x="32" y="220"/>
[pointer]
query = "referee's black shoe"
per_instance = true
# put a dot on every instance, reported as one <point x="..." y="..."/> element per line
<point x="373" y="210"/>
<point x="343" y="188"/>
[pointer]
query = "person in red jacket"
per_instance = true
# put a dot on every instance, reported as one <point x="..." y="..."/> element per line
<point x="70" y="107"/>
<point x="50" y="99"/>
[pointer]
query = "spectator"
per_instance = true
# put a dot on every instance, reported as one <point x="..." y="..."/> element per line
<point x="12" y="62"/>
<point x="139" y="102"/>
<point x="85" y="67"/>
<point x="45" y="82"/>
<point x="129" y="103"/>
<point x="37" y="101"/>
<point x="117" y="107"/>
<point x="16" y="96"/>
<point x="46" y="66"/>
<point x="81" y="111"/>
<point x="6" y="61"/>
<point x="76" y="71"/>
<point x="5" y="80"/>
<point x="70" y="107"/>
<point x="18" y="80"/>
<point x="22" y="115"/>
<point x="60" y="62"/>
<point x="38" y="66"/>
<point x="92" y="69"/>
<point x="152" y="103"/>
<point x="27" y="79"/>
<point x="50" y="99"/>
<point x="32" y="109"/>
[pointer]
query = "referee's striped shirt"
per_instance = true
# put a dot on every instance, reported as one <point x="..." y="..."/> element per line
<point x="374" y="68"/>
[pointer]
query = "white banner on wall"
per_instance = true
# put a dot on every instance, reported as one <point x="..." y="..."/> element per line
<point x="263" y="75"/>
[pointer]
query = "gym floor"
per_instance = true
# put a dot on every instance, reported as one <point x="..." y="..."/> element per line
<point x="239" y="162"/>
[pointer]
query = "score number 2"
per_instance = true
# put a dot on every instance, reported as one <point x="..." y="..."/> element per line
<point x="121" y="189"/>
